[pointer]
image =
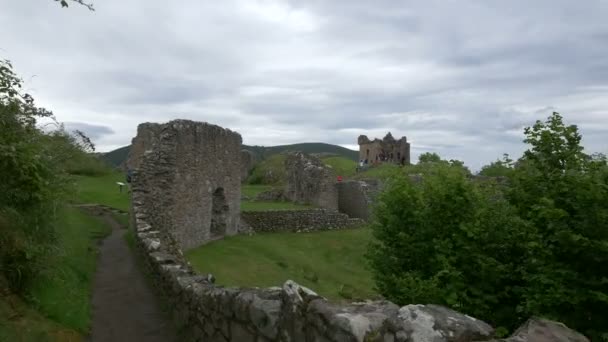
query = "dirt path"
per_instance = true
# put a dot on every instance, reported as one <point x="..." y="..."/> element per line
<point x="124" y="308"/>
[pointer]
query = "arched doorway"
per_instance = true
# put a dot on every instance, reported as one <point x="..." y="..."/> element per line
<point x="219" y="211"/>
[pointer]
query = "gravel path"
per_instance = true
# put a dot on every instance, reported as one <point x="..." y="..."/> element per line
<point x="124" y="308"/>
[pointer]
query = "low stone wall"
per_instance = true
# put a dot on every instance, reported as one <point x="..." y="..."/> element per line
<point x="297" y="220"/>
<point x="355" y="198"/>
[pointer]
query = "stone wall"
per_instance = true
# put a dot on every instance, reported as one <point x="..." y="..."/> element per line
<point x="297" y="220"/>
<point x="355" y="198"/>
<point x="309" y="181"/>
<point x="192" y="169"/>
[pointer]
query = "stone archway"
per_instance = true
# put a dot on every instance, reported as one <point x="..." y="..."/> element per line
<point x="219" y="212"/>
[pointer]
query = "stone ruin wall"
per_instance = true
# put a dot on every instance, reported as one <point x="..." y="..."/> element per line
<point x="309" y="181"/>
<point x="297" y="220"/>
<point x="356" y="198"/>
<point x="193" y="170"/>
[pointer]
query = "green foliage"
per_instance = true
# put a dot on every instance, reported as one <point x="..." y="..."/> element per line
<point x="330" y="262"/>
<point x="536" y="246"/>
<point x="498" y="168"/>
<point x="34" y="166"/>
<point x="429" y="157"/>
<point x="270" y="171"/>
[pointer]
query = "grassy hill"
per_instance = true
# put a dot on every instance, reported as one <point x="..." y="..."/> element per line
<point x="118" y="156"/>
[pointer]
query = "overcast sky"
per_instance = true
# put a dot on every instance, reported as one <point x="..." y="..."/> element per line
<point x="460" y="78"/>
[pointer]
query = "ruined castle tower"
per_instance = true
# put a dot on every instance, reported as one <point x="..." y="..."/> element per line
<point x="385" y="150"/>
<point x="191" y="173"/>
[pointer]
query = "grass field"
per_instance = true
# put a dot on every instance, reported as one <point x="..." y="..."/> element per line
<point x="102" y="190"/>
<point x="251" y="190"/>
<point x="342" y="166"/>
<point x="331" y="263"/>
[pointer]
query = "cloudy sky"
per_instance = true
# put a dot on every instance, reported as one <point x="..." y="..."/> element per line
<point x="460" y="78"/>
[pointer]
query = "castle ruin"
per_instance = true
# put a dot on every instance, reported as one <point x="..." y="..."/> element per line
<point x="386" y="150"/>
<point x="191" y="171"/>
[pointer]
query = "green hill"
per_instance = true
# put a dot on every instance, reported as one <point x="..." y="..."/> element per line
<point x="118" y="156"/>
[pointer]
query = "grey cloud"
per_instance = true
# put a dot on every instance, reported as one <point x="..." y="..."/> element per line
<point x="459" y="78"/>
<point x="92" y="131"/>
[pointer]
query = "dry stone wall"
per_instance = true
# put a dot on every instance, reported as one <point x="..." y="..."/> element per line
<point x="193" y="170"/>
<point x="355" y="198"/>
<point x="297" y="220"/>
<point x="309" y="181"/>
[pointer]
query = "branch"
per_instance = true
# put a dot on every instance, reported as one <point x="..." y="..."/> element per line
<point x="64" y="3"/>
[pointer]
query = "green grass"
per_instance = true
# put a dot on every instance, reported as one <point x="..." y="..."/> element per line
<point x="331" y="263"/>
<point x="382" y="172"/>
<point x="19" y="322"/>
<point x="265" y="206"/>
<point x="251" y="190"/>
<point x="342" y="166"/>
<point x="63" y="293"/>
<point x="102" y="190"/>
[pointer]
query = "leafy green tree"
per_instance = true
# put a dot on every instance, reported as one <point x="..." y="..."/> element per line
<point x="537" y="246"/>
<point x="563" y="192"/>
<point x="429" y="157"/>
<point x="498" y="168"/>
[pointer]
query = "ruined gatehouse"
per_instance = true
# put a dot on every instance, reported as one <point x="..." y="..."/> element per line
<point x="191" y="171"/>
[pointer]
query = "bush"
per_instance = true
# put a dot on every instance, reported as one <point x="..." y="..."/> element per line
<point x="535" y="246"/>
<point x="33" y="169"/>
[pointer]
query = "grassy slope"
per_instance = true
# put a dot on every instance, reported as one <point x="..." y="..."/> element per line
<point x="102" y="190"/>
<point x="60" y="298"/>
<point x="341" y="166"/>
<point x="334" y="258"/>
<point x="20" y="323"/>
<point x="64" y="293"/>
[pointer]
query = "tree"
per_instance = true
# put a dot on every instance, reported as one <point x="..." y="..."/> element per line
<point x="429" y="157"/>
<point x="498" y="168"/>
<point x="537" y="245"/>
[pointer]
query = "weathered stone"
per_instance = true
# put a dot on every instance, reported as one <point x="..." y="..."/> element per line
<point x="240" y="333"/>
<point x="437" y="323"/>
<point x="309" y="181"/>
<point x="355" y="198"/>
<point x="191" y="171"/>
<point x="271" y="195"/>
<point x="544" y="330"/>
<point x="264" y="314"/>
<point x="297" y="220"/>
<point x="385" y="150"/>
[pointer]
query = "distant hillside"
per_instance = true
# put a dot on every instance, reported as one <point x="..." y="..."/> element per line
<point x="118" y="156"/>
<point x="263" y="152"/>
